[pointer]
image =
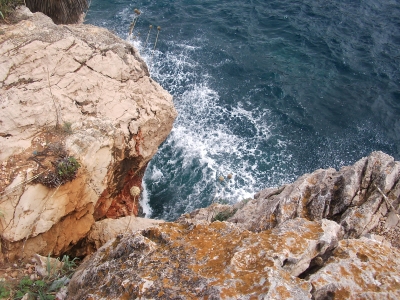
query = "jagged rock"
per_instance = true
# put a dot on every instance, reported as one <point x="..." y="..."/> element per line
<point x="354" y="197"/>
<point x="103" y="231"/>
<point x="265" y="250"/>
<point x="203" y="260"/>
<point x="359" y="269"/>
<point x="84" y="90"/>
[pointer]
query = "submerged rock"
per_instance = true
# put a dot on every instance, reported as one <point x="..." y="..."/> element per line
<point x="73" y="91"/>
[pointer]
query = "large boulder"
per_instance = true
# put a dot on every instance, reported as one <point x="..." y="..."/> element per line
<point x="80" y="94"/>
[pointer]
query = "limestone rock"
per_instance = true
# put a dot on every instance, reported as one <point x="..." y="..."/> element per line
<point x="359" y="269"/>
<point x="84" y="89"/>
<point x="363" y="198"/>
<point x="46" y="266"/>
<point x="202" y="260"/>
<point x="103" y="231"/>
<point x="280" y="245"/>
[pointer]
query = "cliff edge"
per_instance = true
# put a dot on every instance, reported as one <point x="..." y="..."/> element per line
<point x="329" y="235"/>
<point x="80" y="118"/>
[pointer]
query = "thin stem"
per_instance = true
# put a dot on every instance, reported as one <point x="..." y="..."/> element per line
<point x="158" y="31"/>
<point x="148" y="34"/>
<point x="54" y="101"/>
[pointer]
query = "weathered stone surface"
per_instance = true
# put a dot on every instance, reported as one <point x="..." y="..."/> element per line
<point x="103" y="231"/>
<point x="279" y="245"/>
<point x="359" y="269"/>
<point x="206" y="261"/>
<point x="354" y="197"/>
<point x="111" y="117"/>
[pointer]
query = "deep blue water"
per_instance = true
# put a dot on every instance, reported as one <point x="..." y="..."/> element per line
<point x="265" y="90"/>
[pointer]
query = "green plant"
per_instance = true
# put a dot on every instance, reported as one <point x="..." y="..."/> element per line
<point x="7" y="6"/>
<point x="44" y="288"/>
<point x="69" y="265"/>
<point x="4" y="290"/>
<point x="224" y="215"/>
<point x="35" y="289"/>
<point x="67" y="127"/>
<point x="65" y="170"/>
<point x="23" y="287"/>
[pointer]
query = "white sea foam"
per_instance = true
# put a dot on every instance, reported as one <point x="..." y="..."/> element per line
<point x="144" y="202"/>
<point x="206" y="139"/>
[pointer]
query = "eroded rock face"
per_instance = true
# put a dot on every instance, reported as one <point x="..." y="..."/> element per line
<point x="280" y="245"/>
<point x="359" y="269"/>
<point x="83" y="88"/>
<point x="364" y="198"/>
<point x="103" y="231"/>
<point x="203" y="260"/>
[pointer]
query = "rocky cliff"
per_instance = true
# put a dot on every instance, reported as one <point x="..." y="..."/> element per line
<point x="329" y="235"/>
<point x="80" y="118"/>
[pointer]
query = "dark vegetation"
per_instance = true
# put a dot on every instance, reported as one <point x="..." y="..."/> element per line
<point x="41" y="288"/>
<point x="224" y="215"/>
<point x="59" y="168"/>
<point x="7" y="6"/>
<point x="61" y="11"/>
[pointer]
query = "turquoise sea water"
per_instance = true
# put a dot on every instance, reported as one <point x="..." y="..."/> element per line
<point x="265" y="90"/>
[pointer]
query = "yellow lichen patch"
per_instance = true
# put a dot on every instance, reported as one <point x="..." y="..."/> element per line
<point x="283" y="292"/>
<point x="287" y="208"/>
<point x="304" y="202"/>
<point x="342" y="294"/>
<point x="207" y="260"/>
<point x="360" y="266"/>
<point x="357" y="214"/>
<point x="312" y="180"/>
<point x="344" y="272"/>
<point x="283" y="239"/>
<point x="239" y="260"/>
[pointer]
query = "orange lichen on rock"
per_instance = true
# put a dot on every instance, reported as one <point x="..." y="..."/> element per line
<point x="368" y="268"/>
<point x="205" y="260"/>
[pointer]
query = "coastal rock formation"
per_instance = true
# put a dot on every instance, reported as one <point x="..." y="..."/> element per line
<point x="359" y="269"/>
<point x="203" y="260"/>
<point x="103" y="231"/>
<point x="78" y="93"/>
<point x="363" y="198"/>
<point x="328" y="235"/>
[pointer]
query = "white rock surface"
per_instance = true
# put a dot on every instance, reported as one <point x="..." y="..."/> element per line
<point x="88" y="79"/>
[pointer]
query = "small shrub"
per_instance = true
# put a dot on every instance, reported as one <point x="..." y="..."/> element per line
<point x="41" y="289"/>
<point x="4" y="290"/>
<point x="65" y="170"/>
<point x="224" y="215"/>
<point x="67" y="127"/>
<point x="7" y="6"/>
<point x="59" y="168"/>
